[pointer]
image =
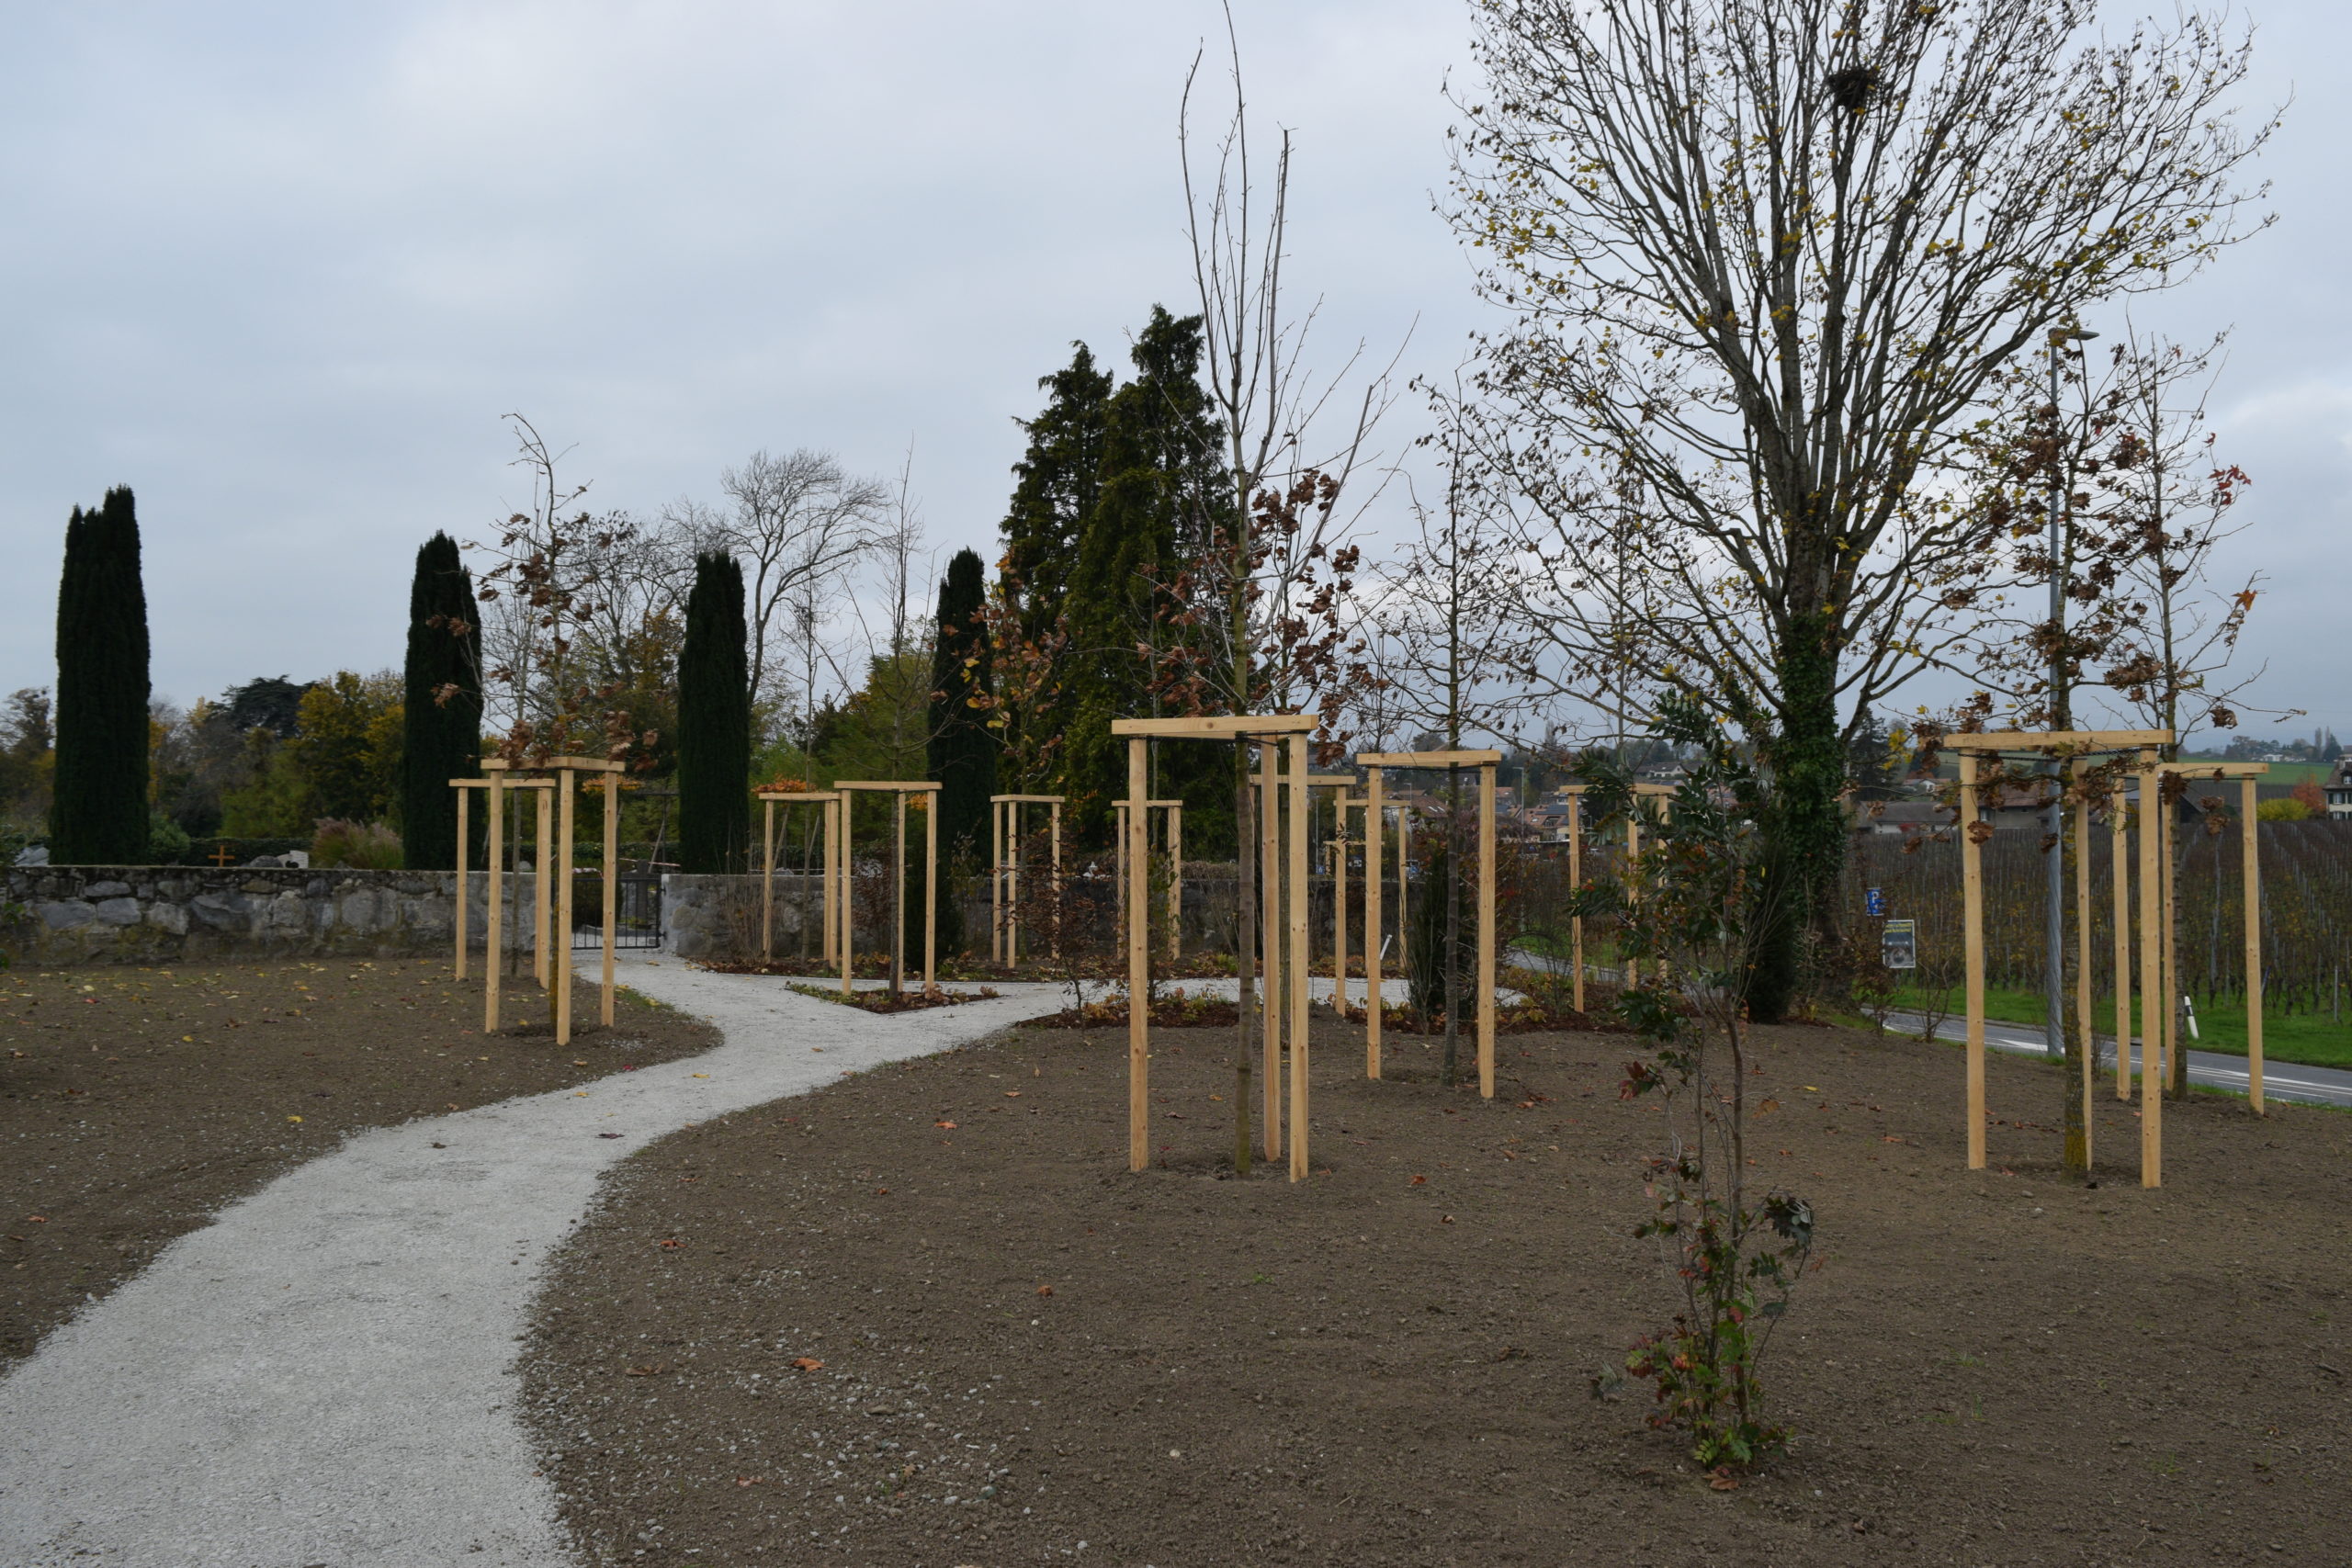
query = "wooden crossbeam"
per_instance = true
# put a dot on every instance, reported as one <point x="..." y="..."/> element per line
<point x="2057" y="741"/>
<point x="1039" y="799"/>
<point x="1472" y="759"/>
<point x="2214" y="769"/>
<point x="1220" y="726"/>
<point x="901" y="786"/>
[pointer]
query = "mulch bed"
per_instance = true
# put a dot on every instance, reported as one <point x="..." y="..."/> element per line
<point x="912" y="999"/>
<point x="926" y="1317"/>
<point x="135" y="1102"/>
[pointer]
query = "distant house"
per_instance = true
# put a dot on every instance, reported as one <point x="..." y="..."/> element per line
<point x="1903" y="816"/>
<point x="2009" y="808"/>
<point x="2338" y="788"/>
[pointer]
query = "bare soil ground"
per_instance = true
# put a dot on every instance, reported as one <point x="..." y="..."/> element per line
<point x="926" y="1316"/>
<point x="135" y="1102"/>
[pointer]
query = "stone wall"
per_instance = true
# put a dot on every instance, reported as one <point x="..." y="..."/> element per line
<point x="148" y="914"/>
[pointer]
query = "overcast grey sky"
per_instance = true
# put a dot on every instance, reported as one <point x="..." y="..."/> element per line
<point x="282" y="268"/>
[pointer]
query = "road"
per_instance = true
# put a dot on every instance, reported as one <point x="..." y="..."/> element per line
<point x="2280" y="1080"/>
<point x="2214" y="1069"/>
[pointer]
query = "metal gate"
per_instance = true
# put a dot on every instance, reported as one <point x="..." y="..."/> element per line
<point x="637" y="904"/>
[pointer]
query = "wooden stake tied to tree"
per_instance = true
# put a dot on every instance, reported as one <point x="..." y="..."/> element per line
<point x="1375" y="764"/>
<point x="899" y="790"/>
<point x="1286" y="951"/>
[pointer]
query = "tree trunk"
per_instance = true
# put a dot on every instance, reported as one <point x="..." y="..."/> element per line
<point x="1452" y="970"/>
<point x="1245" y="954"/>
<point x="1809" y="848"/>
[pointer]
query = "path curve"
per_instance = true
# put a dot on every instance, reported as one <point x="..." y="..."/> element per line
<point x="325" y="1374"/>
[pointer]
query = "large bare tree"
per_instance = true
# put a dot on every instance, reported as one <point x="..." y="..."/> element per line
<point x="798" y="523"/>
<point x="1764" y="258"/>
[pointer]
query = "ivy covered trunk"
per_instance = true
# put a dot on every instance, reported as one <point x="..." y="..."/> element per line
<point x="1808" y="842"/>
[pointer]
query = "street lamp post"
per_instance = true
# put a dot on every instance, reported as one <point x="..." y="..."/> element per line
<point x="2053" y="1024"/>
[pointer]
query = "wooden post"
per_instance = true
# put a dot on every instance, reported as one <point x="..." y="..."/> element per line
<point x="2152" y="1099"/>
<point x="767" y="880"/>
<point x="898" y="892"/>
<point x="1270" y="913"/>
<point x="1119" y="863"/>
<point x="1405" y="913"/>
<point x="1053" y="828"/>
<point x="830" y="828"/>
<point x="2167" y="963"/>
<point x="1376" y="890"/>
<point x="567" y="784"/>
<point x="1299" y="863"/>
<point x="1175" y="880"/>
<point x="1629" y="968"/>
<point x="2251" y="893"/>
<point x="542" y="889"/>
<point x="1576" y="885"/>
<point x="930" y="895"/>
<point x="1138" y="971"/>
<point x="1012" y="882"/>
<point x="849" y="892"/>
<point x="612" y="881"/>
<point x="996" y="882"/>
<point x="1340" y="909"/>
<point x="460" y="786"/>
<point x="494" y="952"/>
<point x="461" y="878"/>
<point x="1487" y="931"/>
<point x="2083" y="959"/>
<point x="2119" y="842"/>
<point x="1972" y="884"/>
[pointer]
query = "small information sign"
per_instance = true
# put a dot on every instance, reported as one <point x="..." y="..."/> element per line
<point x="1899" y="942"/>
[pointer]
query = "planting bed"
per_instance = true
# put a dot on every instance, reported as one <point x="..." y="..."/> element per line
<point x="134" y="1102"/>
<point x="925" y="1316"/>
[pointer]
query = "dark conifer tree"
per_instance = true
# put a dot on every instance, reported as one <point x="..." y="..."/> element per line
<point x="715" y="723"/>
<point x="1158" y="494"/>
<point x="1055" y="483"/>
<point x="100" y="814"/>
<point x="441" y="707"/>
<point x="962" y="748"/>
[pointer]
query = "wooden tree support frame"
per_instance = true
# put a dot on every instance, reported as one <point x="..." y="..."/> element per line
<point x="1341" y="805"/>
<point x="558" y="796"/>
<point x="1286" y="972"/>
<point x="788" y="798"/>
<point x="1375" y="765"/>
<point x="2075" y="746"/>
<point x="2250" y="894"/>
<point x="494" y="787"/>
<point x="1171" y="814"/>
<point x="899" y="789"/>
<point x="1004" y="877"/>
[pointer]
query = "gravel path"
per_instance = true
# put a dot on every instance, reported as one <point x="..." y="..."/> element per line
<point x="323" y="1376"/>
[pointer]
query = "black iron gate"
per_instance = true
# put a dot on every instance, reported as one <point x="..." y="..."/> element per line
<point x="637" y="903"/>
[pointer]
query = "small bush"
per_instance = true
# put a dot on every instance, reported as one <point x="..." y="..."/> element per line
<point x="166" y="840"/>
<point x="2289" y="809"/>
<point x="358" y="846"/>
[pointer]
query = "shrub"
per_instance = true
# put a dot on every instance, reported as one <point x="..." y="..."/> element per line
<point x="2291" y="808"/>
<point x="166" y="840"/>
<point x="1693" y="908"/>
<point x="368" y="846"/>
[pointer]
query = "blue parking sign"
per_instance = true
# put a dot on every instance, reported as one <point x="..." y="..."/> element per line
<point x="1874" y="900"/>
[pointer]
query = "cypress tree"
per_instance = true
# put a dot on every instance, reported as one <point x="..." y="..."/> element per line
<point x="100" y="814"/>
<point x="441" y="711"/>
<point x="1160" y="487"/>
<point x="962" y="748"/>
<point x="715" y="723"/>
